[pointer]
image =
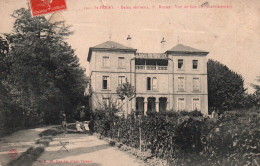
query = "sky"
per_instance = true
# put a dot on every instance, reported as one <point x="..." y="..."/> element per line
<point x="230" y="35"/>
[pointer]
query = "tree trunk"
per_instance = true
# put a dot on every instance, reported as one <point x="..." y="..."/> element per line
<point x="126" y="111"/>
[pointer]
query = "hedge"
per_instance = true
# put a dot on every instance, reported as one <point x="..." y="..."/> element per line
<point x="189" y="138"/>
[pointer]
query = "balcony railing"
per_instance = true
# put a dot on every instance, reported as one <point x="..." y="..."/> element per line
<point x="139" y="67"/>
<point x="162" y="67"/>
<point x="150" y="67"/>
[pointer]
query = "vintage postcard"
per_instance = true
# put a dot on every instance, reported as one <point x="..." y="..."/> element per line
<point x="129" y="82"/>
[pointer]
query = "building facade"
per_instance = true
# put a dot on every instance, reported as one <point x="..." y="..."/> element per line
<point x="173" y="80"/>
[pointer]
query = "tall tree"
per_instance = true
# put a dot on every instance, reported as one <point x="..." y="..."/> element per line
<point x="225" y="87"/>
<point x="4" y="99"/>
<point x="256" y="94"/>
<point x="126" y="92"/>
<point x="45" y="76"/>
<point x="256" y="86"/>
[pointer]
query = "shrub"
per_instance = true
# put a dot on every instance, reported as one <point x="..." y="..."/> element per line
<point x="28" y="157"/>
<point x="187" y="138"/>
<point x="52" y="132"/>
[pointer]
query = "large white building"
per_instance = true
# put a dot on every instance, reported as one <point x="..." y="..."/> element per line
<point x="172" y="80"/>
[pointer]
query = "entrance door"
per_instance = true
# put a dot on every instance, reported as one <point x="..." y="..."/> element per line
<point x="140" y="104"/>
<point x="151" y="104"/>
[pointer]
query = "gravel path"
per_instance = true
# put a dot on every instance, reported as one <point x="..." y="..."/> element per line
<point x="84" y="149"/>
<point x="19" y="141"/>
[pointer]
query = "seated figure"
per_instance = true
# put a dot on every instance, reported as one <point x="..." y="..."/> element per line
<point x="86" y="128"/>
<point x="78" y="126"/>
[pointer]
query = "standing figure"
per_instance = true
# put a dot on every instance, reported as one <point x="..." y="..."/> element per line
<point x="64" y="122"/>
<point x="82" y="113"/>
<point x="91" y="125"/>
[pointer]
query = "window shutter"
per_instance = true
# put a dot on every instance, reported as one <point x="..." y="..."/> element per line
<point x="108" y="82"/>
<point x="181" y="83"/>
<point x="196" y="104"/>
<point x="154" y="83"/>
<point x="181" y="104"/>
<point x="123" y="62"/>
<point x="196" y="84"/>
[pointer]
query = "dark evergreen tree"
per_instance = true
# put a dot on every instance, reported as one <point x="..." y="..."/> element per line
<point x="45" y="77"/>
<point x="225" y="87"/>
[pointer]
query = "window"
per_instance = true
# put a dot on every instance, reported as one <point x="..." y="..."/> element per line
<point x="151" y="83"/>
<point x="180" y="63"/>
<point x="196" y="84"/>
<point x="196" y="104"/>
<point x="105" y="82"/>
<point x="121" y="62"/>
<point x="181" y="83"/>
<point x="106" y="62"/>
<point x="121" y="80"/>
<point x="181" y="104"/>
<point x="154" y="83"/>
<point x="195" y="64"/>
<point x="148" y="83"/>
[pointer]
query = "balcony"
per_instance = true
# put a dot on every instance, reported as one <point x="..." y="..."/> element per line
<point x="150" y="67"/>
<point x="151" y="64"/>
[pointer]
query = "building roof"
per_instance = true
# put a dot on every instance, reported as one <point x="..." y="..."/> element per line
<point x="110" y="46"/>
<point x="180" y="48"/>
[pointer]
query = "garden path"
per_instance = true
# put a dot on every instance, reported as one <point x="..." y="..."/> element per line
<point x="84" y="149"/>
<point x="20" y="141"/>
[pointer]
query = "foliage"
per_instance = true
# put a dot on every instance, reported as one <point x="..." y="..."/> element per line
<point x="42" y="77"/>
<point x="232" y="139"/>
<point x="255" y="97"/>
<point x="28" y="157"/>
<point x="111" y="104"/>
<point x="255" y="86"/>
<point x="191" y="139"/>
<point x="225" y="87"/>
<point x="125" y="90"/>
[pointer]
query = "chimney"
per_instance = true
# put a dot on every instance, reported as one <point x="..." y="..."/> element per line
<point x="163" y="45"/>
<point x="129" y="40"/>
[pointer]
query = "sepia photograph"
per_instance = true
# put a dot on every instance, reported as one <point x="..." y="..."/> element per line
<point x="130" y="82"/>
